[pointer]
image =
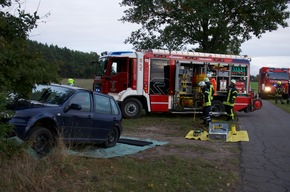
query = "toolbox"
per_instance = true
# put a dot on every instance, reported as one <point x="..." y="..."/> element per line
<point x="218" y="131"/>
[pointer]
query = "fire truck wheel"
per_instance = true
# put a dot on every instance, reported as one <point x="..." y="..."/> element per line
<point x="131" y="108"/>
<point x="217" y="108"/>
<point x="257" y="104"/>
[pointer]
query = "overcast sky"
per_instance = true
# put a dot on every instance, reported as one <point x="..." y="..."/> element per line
<point x="92" y="25"/>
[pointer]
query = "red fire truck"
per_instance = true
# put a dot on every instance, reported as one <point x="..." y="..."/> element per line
<point x="166" y="81"/>
<point x="268" y="78"/>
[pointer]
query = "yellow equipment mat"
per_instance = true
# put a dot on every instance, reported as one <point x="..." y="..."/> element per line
<point x="241" y="135"/>
<point x="202" y="136"/>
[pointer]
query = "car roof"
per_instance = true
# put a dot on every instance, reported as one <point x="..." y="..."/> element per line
<point x="79" y="88"/>
<point x="67" y="86"/>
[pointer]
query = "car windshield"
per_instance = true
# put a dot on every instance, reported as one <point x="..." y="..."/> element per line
<point x="50" y="94"/>
<point x="276" y="75"/>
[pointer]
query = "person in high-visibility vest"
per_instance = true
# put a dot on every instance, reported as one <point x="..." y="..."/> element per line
<point x="70" y="82"/>
<point x="206" y="103"/>
<point x="230" y="100"/>
<point x="286" y="94"/>
<point x="279" y="91"/>
<point x="210" y="87"/>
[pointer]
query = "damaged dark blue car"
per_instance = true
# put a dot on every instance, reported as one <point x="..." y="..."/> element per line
<point x="70" y="113"/>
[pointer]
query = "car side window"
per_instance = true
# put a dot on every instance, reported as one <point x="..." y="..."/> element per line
<point x="102" y="104"/>
<point x="115" y="110"/>
<point x="82" y="99"/>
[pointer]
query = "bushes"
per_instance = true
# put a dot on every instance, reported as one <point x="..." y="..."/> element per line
<point x="8" y="147"/>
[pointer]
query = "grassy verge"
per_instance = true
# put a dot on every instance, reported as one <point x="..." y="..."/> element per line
<point x="254" y="86"/>
<point x="180" y="166"/>
<point x="285" y="107"/>
<point x="119" y="174"/>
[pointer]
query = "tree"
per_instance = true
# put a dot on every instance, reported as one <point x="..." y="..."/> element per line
<point x="20" y="68"/>
<point x="73" y="64"/>
<point x="210" y="25"/>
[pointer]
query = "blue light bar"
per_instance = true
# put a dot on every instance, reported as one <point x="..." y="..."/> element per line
<point x="119" y="52"/>
<point x="245" y="61"/>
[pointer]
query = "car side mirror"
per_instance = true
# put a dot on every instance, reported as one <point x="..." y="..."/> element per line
<point x="73" y="106"/>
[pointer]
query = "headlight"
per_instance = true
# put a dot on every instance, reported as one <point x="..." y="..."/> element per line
<point x="267" y="89"/>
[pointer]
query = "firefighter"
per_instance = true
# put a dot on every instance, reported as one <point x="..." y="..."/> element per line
<point x="279" y="91"/>
<point x="230" y="100"/>
<point x="209" y="87"/>
<point x="286" y="94"/>
<point x="211" y="92"/>
<point x="206" y="103"/>
<point x="71" y="82"/>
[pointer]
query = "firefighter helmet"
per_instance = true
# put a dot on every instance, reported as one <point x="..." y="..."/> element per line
<point x="279" y="82"/>
<point x="206" y="79"/>
<point x="70" y="81"/>
<point x="201" y="84"/>
<point x="233" y="81"/>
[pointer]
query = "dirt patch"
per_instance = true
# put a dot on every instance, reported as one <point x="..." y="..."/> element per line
<point x="181" y="147"/>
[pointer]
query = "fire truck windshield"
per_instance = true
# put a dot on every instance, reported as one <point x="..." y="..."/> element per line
<point x="278" y="75"/>
<point x="101" y="66"/>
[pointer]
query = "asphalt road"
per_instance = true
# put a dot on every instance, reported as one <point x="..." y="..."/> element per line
<point x="265" y="159"/>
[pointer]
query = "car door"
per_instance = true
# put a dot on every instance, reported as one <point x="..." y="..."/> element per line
<point x="77" y="123"/>
<point x="104" y="117"/>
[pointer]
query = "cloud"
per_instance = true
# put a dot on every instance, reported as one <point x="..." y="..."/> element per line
<point x="274" y="43"/>
<point x="271" y="43"/>
<point x="269" y="61"/>
<point x="81" y="25"/>
<point x="93" y="26"/>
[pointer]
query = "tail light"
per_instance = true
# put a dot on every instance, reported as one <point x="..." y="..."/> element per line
<point x="146" y="88"/>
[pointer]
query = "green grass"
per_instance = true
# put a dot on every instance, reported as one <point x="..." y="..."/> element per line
<point x="170" y="173"/>
<point x="199" y="170"/>
<point x="254" y="86"/>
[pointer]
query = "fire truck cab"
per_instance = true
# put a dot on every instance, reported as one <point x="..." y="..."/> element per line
<point x="166" y="81"/>
<point x="268" y="78"/>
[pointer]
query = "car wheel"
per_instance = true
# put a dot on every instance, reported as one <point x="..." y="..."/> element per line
<point x="217" y="106"/>
<point x="112" y="138"/>
<point x="41" y="140"/>
<point x="131" y="108"/>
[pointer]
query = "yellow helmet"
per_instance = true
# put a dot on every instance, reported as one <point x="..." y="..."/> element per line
<point x="70" y="81"/>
